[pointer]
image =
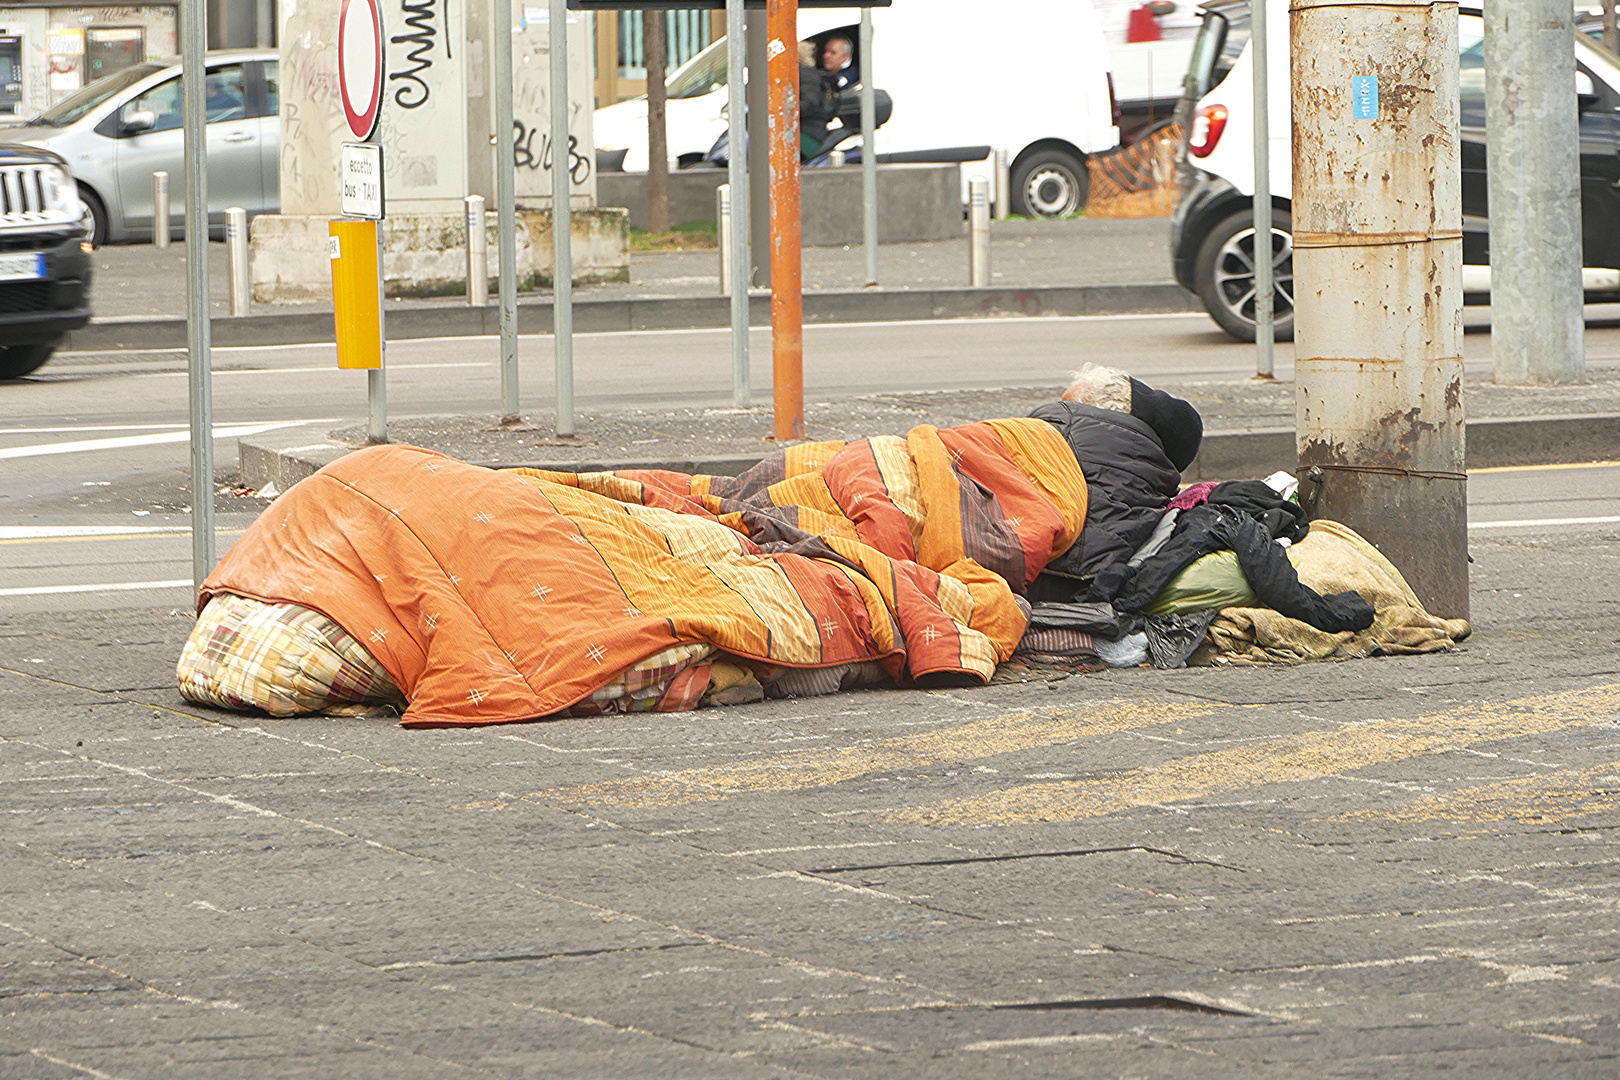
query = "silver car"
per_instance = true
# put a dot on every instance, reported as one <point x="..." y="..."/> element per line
<point x="118" y="131"/>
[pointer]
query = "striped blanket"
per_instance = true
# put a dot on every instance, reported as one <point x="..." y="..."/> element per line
<point x="495" y="596"/>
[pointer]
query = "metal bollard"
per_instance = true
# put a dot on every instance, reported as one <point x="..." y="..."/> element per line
<point x="979" y="232"/>
<point x="1003" y="187"/>
<point x="722" y="215"/>
<point x="160" y="209"/>
<point x="836" y="159"/>
<point x="236" y="251"/>
<point x="477" y="253"/>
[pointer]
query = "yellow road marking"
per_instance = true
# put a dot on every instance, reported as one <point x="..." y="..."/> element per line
<point x="819" y="768"/>
<point x="165" y="535"/>
<point x="1556" y="796"/>
<point x="1308" y="756"/>
<point x="1546" y="468"/>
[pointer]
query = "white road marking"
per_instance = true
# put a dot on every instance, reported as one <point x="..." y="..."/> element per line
<point x="306" y="370"/>
<point x="74" y="428"/>
<point x="1529" y="523"/>
<point x="117" y="586"/>
<point x="122" y="442"/>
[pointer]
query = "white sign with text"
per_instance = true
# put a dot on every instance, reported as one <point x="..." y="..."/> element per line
<point x="360" y="175"/>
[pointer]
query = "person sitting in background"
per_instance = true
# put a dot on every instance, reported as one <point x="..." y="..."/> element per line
<point x="837" y="58"/>
<point x="818" y="102"/>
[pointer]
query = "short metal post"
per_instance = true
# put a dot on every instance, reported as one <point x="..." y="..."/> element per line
<point x="734" y="243"/>
<point x="477" y="253"/>
<point x="722" y="217"/>
<point x="160" y="209"/>
<point x="1003" y="186"/>
<point x="562" y="252"/>
<point x="979" y="232"/>
<point x="236" y="252"/>
<point x="869" y="220"/>
<point x="835" y="158"/>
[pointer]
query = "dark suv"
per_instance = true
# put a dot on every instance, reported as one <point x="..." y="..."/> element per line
<point x="44" y="258"/>
<point x="1213" y="222"/>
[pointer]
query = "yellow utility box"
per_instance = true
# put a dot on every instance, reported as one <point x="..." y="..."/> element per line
<point x="357" y="293"/>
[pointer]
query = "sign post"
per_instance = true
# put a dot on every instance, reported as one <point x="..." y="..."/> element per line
<point x="356" y="245"/>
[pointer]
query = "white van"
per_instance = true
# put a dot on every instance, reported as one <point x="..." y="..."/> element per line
<point x="1028" y="76"/>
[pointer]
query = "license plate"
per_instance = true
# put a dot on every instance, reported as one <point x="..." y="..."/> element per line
<point x="22" y="267"/>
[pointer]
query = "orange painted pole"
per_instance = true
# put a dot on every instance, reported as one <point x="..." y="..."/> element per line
<point x="787" y="269"/>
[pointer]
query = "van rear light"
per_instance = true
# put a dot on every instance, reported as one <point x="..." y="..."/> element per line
<point x="1207" y="126"/>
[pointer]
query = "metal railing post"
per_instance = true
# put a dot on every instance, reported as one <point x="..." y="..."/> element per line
<point x="506" y="210"/>
<point x="1265" y="330"/>
<point x="562" y="254"/>
<point x="477" y="253"/>
<point x="161" y="230"/>
<point x="236" y="257"/>
<point x="1003" y="186"/>
<point x="869" y="218"/>
<point x="979" y="232"/>
<point x="194" y="108"/>
<point x="734" y="241"/>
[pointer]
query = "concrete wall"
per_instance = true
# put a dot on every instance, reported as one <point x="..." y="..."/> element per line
<point x="426" y="254"/>
<point x="915" y="202"/>
<point x="53" y="45"/>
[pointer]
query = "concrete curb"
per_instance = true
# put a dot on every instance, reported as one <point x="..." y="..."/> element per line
<point x="651" y="313"/>
<point x="286" y="457"/>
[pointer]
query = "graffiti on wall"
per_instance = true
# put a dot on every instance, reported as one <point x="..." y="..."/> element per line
<point x="420" y="16"/>
<point x="524" y="157"/>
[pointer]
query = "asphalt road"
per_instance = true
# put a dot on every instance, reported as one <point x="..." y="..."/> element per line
<point x="1397" y="867"/>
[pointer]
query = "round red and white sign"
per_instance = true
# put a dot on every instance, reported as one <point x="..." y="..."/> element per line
<point x="360" y="64"/>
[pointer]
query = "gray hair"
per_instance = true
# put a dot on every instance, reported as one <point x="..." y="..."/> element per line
<point x="1102" y="387"/>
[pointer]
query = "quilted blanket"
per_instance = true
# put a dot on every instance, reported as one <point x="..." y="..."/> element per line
<point x="496" y="596"/>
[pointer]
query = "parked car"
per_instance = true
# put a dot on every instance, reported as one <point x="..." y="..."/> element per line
<point x="1213" y="222"/>
<point x="44" y="258"/>
<point x="1032" y="79"/>
<point x="118" y="131"/>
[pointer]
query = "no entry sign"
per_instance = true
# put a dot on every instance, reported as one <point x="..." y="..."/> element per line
<point x="360" y="64"/>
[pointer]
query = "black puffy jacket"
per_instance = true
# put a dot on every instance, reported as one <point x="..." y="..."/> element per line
<point x="1129" y="482"/>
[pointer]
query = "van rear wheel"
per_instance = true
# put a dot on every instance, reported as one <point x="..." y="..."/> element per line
<point x="1223" y="274"/>
<point x="1049" y="182"/>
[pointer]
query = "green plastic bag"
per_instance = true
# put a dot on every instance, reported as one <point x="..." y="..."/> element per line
<point x="1214" y="581"/>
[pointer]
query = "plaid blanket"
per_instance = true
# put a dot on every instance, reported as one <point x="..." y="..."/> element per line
<point x="490" y="597"/>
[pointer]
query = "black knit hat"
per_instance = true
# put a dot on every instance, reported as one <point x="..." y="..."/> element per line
<point x="1176" y="422"/>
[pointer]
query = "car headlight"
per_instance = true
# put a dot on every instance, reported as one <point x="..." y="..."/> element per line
<point x="61" y="193"/>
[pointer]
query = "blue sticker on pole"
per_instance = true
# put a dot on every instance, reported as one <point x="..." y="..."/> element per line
<point x="1364" y="97"/>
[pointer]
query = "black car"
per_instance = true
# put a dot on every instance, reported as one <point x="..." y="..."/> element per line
<point x="1212" y="225"/>
<point x="44" y="258"/>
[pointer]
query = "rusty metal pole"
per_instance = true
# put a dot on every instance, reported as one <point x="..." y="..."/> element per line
<point x="1378" y="271"/>
<point x="787" y="298"/>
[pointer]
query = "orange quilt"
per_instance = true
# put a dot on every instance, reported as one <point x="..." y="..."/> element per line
<point x="497" y="596"/>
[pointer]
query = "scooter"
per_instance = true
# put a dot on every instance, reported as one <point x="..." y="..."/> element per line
<point x="845" y="125"/>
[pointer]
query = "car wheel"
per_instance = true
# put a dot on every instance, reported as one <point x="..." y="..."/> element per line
<point x="1223" y="274"/>
<point x="18" y="360"/>
<point x="1049" y="182"/>
<point x="97" y="211"/>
